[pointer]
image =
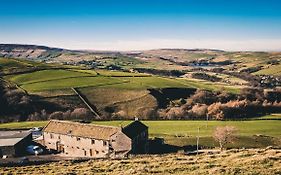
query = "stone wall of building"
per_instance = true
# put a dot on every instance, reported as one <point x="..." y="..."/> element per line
<point x="85" y="147"/>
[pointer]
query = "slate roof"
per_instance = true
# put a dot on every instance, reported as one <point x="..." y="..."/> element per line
<point x="134" y="129"/>
<point x="11" y="138"/>
<point x="81" y="129"/>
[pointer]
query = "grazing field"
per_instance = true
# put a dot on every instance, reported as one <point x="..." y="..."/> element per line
<point x="132" y="102"/>
<point x="63" y="79"/>
<point x="10" y="65"/>
<point x="182" y="133"/>
<point x="227" y="162"/>
<point x="70" y="82"/>
<point x="120" y="74"/>
<point x="272" y="70"/>
<point x="45" y="75"/>
<point x="256" y="133"/>
<point x="23" y="125"/>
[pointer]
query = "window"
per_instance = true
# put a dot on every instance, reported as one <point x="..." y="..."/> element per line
<point x="51" y="136"/>
<point x="104" y="143"/>
<point x="77" y="138"/>
<point x="97" y="152"/>
<point x="77" y="147"/>
<point x="93" y="141"/>
<point x="58" y="137"/>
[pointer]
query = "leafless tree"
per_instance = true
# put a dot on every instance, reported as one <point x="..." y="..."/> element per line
<point x="224" y="135"/>
<point x="81" y="113"/>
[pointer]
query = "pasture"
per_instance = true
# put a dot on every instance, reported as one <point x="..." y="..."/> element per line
<point x="45" y="80"/>
<point x="45" y="75"/>
<point x="271" y="70"/>
<point x="251" y="134"/>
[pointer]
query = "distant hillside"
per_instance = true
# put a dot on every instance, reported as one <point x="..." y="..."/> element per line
<point x="31" y="52"/>
<point x="172" y="59"/>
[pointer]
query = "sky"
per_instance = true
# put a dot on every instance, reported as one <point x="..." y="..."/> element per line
<point x="232" y="25"/>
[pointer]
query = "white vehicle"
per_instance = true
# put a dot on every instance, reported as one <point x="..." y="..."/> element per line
<point x="34" y="150"/>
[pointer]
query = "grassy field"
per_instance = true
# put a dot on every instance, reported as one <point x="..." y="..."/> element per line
<point x="23" y="125"/>
<point x="132" y="101"/>
<point x="181" y="133"/>
<point x="231" y="162"/>
<point x="44" y="75"/>
<point x="120" y="74"/>
<point x="71" y="82"/>
<point x="272" y="70"/>
<point x="10" y="65"/>
<point x="256" y="133"/>
<point x="62" y="79"/>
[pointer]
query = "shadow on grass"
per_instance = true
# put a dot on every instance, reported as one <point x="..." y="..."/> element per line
<point x="173" y="145"/>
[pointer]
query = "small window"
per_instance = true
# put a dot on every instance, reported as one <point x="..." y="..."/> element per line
<point x="77" y="147"/>
<point x="51" y="136"/>
<point x="104" y="143"/>
<point x="58" y="137"/>
<point x="93" y="141"/>
<point x="113" y="140"/>
<point x="97" y="152"/>
<point x="77" y="138"/>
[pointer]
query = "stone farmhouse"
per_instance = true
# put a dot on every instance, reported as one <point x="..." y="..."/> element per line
<point x="89" y="140"/>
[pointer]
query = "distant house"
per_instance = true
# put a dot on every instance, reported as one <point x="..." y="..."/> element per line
<point x="14" y="143"/>
<point x="89" y="140"/>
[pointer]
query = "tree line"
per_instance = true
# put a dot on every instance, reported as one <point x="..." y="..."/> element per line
<point x="205" y="104"/>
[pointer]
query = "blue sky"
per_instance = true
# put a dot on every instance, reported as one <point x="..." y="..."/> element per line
<point x="143" y="24"/>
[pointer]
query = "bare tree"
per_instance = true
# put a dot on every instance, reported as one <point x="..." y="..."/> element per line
<point x="224" y="135"/>
<point x="81" y="113"/>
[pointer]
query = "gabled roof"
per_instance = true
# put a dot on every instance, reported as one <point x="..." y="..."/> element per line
<point x="11" y="138"/>
<point x="134" y="129"/>
<point x="80" y="129"/>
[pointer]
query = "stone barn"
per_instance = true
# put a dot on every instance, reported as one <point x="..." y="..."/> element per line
<point x="90" y="140"/>
<point x="14" y="143"/>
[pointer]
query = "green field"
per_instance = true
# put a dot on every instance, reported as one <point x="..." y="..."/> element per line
<point x="62" y="79"/>
<point x="272" y="70"/>
<point x="50" y="79"/>
<point x="70" y="82"/>
<point x="133" y="101"/>
<point x="45" y="75"/>
<point x="256" y="133"/>
<point x="188" y="128"/>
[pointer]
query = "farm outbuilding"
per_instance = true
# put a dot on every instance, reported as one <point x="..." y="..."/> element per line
<point x="14" y="143"/>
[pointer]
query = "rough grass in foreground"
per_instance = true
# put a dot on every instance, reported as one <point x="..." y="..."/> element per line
<point x="252" y="161"/>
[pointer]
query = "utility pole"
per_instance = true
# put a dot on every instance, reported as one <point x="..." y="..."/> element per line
<point x="198" y="130"/>
<point x="207" y="120"/>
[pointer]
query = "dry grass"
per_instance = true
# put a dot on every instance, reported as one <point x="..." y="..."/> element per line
<point x="251" y="161"/>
